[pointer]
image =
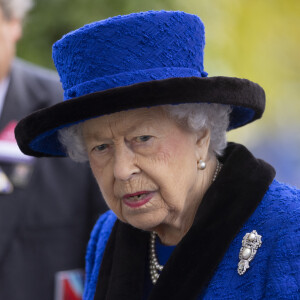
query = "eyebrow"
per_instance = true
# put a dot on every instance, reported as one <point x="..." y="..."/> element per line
<point x="98" y="134"/>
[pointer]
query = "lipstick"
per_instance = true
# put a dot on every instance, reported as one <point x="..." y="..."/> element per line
<point x="137" y="199"/>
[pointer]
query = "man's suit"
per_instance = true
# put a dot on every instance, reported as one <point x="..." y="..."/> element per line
<point x="44" y="226"/>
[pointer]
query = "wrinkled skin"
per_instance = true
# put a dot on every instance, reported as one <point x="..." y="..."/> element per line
<point x="145" y="151"/>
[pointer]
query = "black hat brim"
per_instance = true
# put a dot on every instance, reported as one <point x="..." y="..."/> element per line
<point x="37" y="133"/>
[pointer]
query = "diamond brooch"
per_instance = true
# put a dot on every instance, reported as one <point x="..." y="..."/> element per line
<point x="251" y="242"/>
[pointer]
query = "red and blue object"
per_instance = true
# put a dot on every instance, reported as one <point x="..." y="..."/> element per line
<point x="69" y="285"/>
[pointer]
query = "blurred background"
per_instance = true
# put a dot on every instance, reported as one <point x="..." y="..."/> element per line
<point x="253" y="39"/>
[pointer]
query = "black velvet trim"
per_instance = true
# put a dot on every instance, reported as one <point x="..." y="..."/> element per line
<point x="120" y="272"/>
<point x="245" y="96"/>
<point x="226" y="206"/>
<point x="106" y="268"/>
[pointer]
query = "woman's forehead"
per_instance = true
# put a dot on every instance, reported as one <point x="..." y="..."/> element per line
<point x="126" y="120"/>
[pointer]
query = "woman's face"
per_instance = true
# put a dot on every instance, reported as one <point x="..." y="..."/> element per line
<point x="145" y="165"/>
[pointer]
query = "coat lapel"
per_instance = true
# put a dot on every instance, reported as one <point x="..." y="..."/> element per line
<point x="226" y="206"/>
<point x="19" y="100"/>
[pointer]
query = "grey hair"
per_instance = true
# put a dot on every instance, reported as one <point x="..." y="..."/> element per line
<point x="195" y="117"/>
<point x="72" y="140"/>
<point x="15" y="8"/>
<point x="199" y="116"/>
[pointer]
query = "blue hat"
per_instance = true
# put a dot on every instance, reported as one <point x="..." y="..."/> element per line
<point x="133" y="61"/>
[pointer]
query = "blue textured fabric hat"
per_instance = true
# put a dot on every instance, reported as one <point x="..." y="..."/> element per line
<point x="125" y="50"/>
<point x="126" y="62"/>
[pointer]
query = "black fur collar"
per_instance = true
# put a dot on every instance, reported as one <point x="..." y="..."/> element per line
<point x="226" y="206"/>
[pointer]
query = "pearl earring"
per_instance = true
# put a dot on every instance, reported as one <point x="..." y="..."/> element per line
<point x="201" y="165"/>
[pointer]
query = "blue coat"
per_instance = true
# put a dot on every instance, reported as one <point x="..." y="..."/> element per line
<point x="274" y="272"/>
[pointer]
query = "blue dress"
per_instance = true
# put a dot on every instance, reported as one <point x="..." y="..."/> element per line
<point x="163" y="254"/>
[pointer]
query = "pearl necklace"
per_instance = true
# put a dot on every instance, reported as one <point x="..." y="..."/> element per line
<point x="154" y="265"/>
<point x="217" y="170"/>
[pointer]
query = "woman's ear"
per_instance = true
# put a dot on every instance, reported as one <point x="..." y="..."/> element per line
<point x="202" y="144"/>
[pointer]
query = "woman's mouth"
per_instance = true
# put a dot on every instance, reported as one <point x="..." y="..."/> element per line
<point x="137" y="199"/>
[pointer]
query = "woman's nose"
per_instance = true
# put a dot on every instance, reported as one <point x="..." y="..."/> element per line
<point x="125" y="163"/>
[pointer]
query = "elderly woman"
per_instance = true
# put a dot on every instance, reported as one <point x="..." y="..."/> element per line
<point x="191" y="217"/>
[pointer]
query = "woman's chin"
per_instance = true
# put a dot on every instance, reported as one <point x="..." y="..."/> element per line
<point x="144" y="221"/>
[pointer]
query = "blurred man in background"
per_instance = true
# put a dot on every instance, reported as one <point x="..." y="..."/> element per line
<point x="44" y="223"/>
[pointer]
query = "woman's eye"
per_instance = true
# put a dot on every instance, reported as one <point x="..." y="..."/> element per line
<point x="101" y="147"/>
<point x="143" y="138"/>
